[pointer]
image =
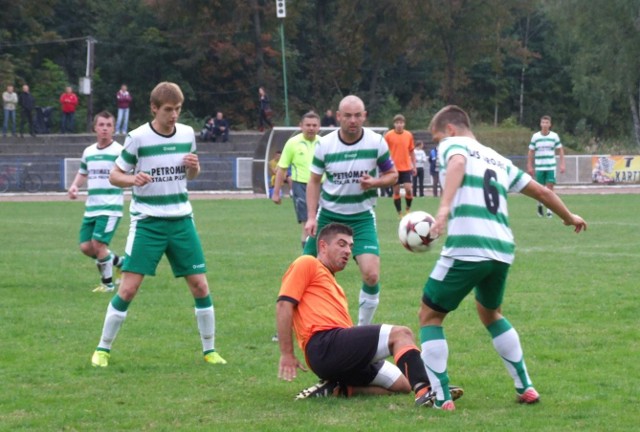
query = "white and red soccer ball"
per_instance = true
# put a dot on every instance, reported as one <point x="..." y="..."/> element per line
<point x="414" y="231"/>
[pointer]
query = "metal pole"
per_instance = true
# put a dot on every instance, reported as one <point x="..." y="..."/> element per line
<point x="284" y="75"/>
<point x="89" y="74"/>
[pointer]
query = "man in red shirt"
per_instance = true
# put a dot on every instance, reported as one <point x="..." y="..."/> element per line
<point x="348" y="359"/>
<point x="401" y="147"/>
<point x="68" y="104"/>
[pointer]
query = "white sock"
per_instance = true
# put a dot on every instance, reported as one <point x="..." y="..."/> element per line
<point x="508" y="346"/>
<point x="106" y="268"/>
<point x="368" y="305"/>
<point x="207" y="327"/>
<point x="112" y="323"/>
<point x="434" y="354"/>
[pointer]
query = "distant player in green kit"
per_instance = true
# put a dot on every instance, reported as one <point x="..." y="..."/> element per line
<point x="103" y="208"/>
<point x="158" y="159"/>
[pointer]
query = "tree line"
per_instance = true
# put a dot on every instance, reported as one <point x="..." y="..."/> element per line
<point x="505" y="61"/>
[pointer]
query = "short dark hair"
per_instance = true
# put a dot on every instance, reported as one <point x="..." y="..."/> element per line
<point x="546" y="117"/>
<point x="103" y="114"/>
<point x="328" y="232"/>
<point x="310" y="114"/>
<point x="451" y="114"/>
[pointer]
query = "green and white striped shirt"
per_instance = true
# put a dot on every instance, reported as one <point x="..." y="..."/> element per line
<point x="344" y="164"/>
<point x="478" y="227"/>
<point x="160" y="156"/>
<point x="103" y="199"/>
<point x="545" y="147"/>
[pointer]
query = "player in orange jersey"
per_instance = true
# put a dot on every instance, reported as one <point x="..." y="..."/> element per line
<point x="401" y="147"/>
<point x="348" y="359"/>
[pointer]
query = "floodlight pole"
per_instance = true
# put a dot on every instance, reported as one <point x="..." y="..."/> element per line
<point x="284" y="75"/>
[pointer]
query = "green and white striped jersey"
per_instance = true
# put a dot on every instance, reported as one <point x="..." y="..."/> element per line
<point x="103" y="198"/>
<point x="344" y="164"/>
<point x="545" y="147"/>
<point x="478" y="226"/>
<point x="160" y="156"/>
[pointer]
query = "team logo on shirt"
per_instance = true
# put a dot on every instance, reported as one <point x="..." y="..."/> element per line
<point x="166" y="174"/>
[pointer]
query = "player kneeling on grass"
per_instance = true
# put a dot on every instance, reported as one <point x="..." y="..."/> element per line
<point x="157" y="160"/>
<point x="349" y="360"/>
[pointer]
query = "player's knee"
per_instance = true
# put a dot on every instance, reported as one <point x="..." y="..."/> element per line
<point x="87" y="249"/>
<point x="198" y="286"/>
<point x="371" y="277"/>
<point x="401" y="335"/>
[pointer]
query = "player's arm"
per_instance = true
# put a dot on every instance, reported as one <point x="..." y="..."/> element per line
<point x="530" y="156"/>
<point x="414" y="169"/>
<point x="385" y="179"/>
<point x="281" y="174"/>
<point x="452" y="181"/>
<point x="313" y="199"/>
<point x="289" y="364"/>
<point x="553" y="202"/>
<point x="561" y="154"/>
<point x="120" y="178"/>
<point x="77" y="183"/>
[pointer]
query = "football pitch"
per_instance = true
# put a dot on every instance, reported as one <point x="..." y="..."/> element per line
<point x="573" y="298"/>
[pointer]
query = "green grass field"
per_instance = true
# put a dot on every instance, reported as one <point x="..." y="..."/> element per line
<point x="573" y="299"/>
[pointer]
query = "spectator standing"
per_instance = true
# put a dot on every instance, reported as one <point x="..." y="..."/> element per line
<point x="9" y="102"/>
<point x="297" y="156"/>
<point x="28" y="104"/>
<point x="402" y="148"/>
<point x="103" y="207"/>
<point x="68" y="104"/>
<point x="220" y="127"/>
<point x="124" y="99"/>
<point x="433" y="169"/>
<point x="421" y="161"/>
<point x="265" y="109"/>
<point x="328" y="120"/>
<point x="542" y="157"/>
<point x="354" y="162"/>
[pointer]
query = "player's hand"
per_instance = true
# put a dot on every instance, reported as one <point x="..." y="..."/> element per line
<point x="577" y="222"/>
<point x="73" y="192"/>
<point x="440" y="225"/>
<point x="275" y="197"/>
<point x="367" y="182"/>
<point x="142" y="178"/>
<point x="191" y="160"/>
<point x="288" y="368"/>
<point x="310" y="227"/>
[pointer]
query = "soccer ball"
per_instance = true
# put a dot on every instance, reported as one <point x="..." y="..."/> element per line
<point x="413" y="231"/>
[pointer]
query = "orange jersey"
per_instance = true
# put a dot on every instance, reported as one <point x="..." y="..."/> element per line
<point x="321" y="302"/>
<point x="400" y="146"/>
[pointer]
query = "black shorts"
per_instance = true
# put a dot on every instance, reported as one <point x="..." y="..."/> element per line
<point x="404" y="177"/>
<point x="345" y="355"/>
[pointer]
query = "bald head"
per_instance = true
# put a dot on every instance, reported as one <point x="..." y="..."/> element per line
<point x="351" y="116"/>
<point x="351" y="102"/>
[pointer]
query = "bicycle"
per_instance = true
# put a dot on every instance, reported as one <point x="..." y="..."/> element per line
<point x="24" y="179"/>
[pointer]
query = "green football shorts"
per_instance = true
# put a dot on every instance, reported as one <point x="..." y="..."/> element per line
<point x="99" y="228"/>
<point x="451" y="280"/>
<point x="365" y="235"/>
<point x="546" y="177"/>
<point x="150" y="238"/>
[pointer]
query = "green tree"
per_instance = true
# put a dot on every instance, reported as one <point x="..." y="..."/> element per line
<point x="602" y="47"/>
